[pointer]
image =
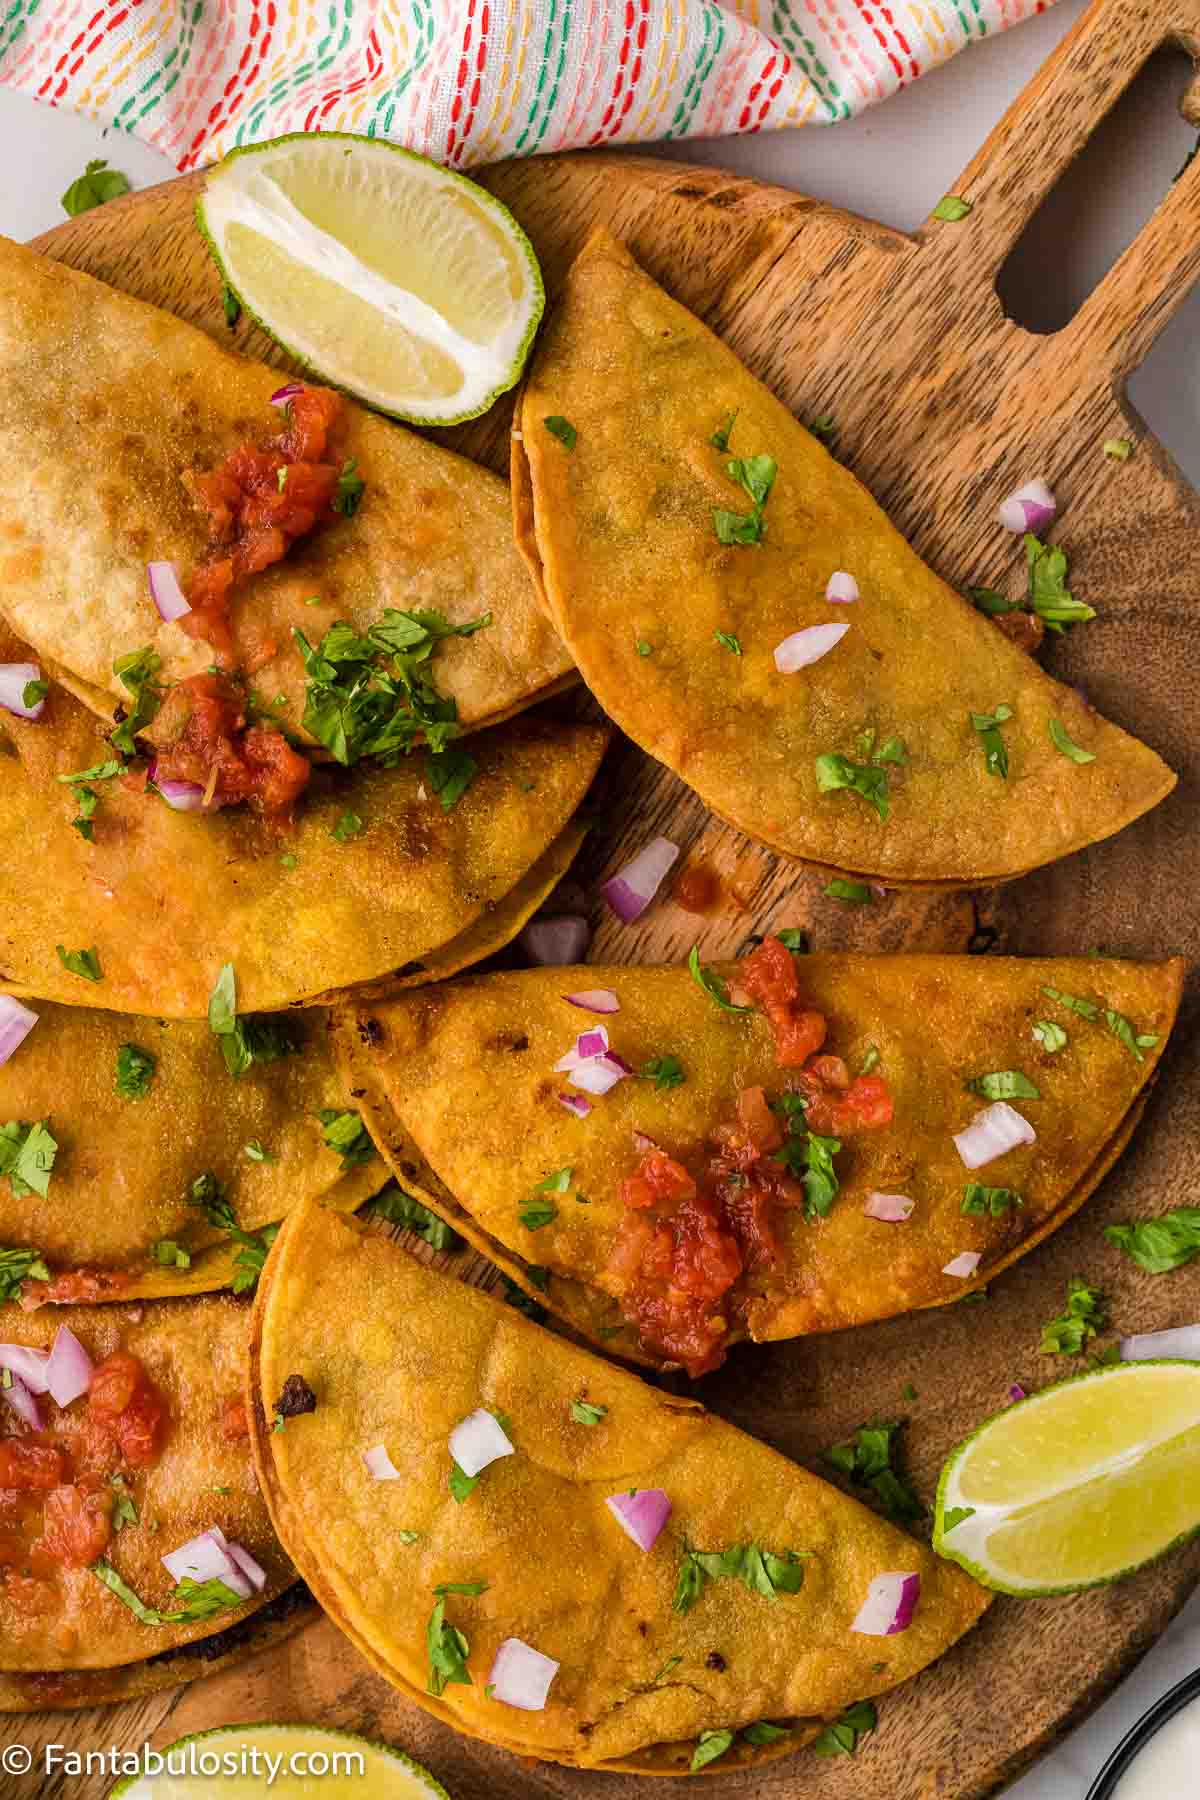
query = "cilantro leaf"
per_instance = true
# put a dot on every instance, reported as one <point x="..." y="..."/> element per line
<point x="137" y="672"/>
<point x="766" y="1572"/>
<point x="989" y="1201"/>
<point x="460" y="1483"/>
<point x="664" y="1071"/>
<point x="1118" y="449"/>
<point x="835" y="772"/>
<point x="191" y="1599"/>
<point x="1085" y="1313"/>
<point x="951" y="208"/>
<point x="585" y="1413"/>
<point x="348" y="826"/>
<point x="1063" y="742"/>
<point x="208" y="1194"/>
<point x="347" y="495"/>
<point x="1157" y="1245"/>
<point x="17" y="1266"/>
<point x="994" y="750"/>
<point x="1050" y="1036"/>
<point x="450" y="775"/>
<point x="793" y="939"/>
<point x="84" y="963"/>
<point x="1003" y="1084"/>
<point x="854" y="893"/>
<point x="867" y="1460"/>
<point x="756" y="474"/>
<point x="842" y="1737"/>
<point x="345" y="1133"/>
<point x="97" y="184"/>
<point x="32" y="693"/>
<point x="709" y="1746"/>
<point x="399" y="1208"/>
<point x="448" y="1651"/>
<point x="536" y="1214"/>
<point x="124" y="1511"/>
<point x="728" y="641"/>
<point x="763" y="1732"/>
<point x="1123" y="1031"/>
<point x="720" y="437"/>
<point x="257" y="1152"/>
<point x="562" y="429"/>
<point x="807" y="1157"/>
<point x="27" y="1155"/>
<point x="1087" y="1009"/>
<point x="169" y="1255"/>
<point x="1049" y="597"/>
<point x="135" y="1071"/>
<point x="245" y="1041"/>
<point x="710" y="982"/>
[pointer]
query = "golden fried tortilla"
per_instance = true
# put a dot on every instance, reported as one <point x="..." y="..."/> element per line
<point x="468" y="1070"/>
<point x="125" y="1164"/>
<point x="619" y="530"/>
<point x="166" y="898"/>
<point x="193" y="1352"/>
<point x="107" y="404"/>
<point x="561" y="1576"/>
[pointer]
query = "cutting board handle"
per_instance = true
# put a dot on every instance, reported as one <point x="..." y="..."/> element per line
<point x="1043" y="132"/>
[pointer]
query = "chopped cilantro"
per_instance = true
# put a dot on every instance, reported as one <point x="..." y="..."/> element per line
<point x="835" y="772"/>
<point x="208" y="1194"/>
<point x="1063" y="742"/>
<point x="345" y="1133"/>
<point x="87" y="800"/>
<point x="471" y="1588"/>
<point x="643" y="648"/>
<point x="448" y="1651"/>
<point x="1123" y="1031"/>
<point x="1119" y="449"/>
<point x="97" y="184"/>
<point x="763" y="1732"/>
<point x="191" y="1600"/>
<point x="399" y="1208"/>
<point x="866" y="1459"/>
<point x="991" y="1201"/>
<point x="373" y="695"/>
<point x="450" y="775"/>
<point x="1048" y="595"/>
<point x="169" y="1255"/>
<point x="84" y="963"/>
<point x="137" y="673"/>
<point x="1050" y="1036"/>
<point x="27" y="1155"/>
<point x="562" y="429"/>
<point x="710" y="982"/>
<point x="842" y="1737"/>
<point x="807" y="1157"/>
<point x="720" y="437"/>
<point x="348" y="826"/>
<point x="854" y="893"/>
<point x="124" y="1511"/>
<point x="347" y="495"/>
<point x="1157" y="1245"/>
<point x="17" y="1266"/>
<point x="1087" y="1009"/>
<point x="32" y="693"/>
<point x="872" y="1057"/>
<point x="460" y="1483"/>
<point x="909" y="1392"/>
<point x="231" y="306"/>
<point x="536" y="1214"/>
<point x="1003" y="1084"/>
<point x="584" y="1413"/>
<point x="664" y="1071"/>
<point x="672" y="1662"/>
<point x="756" y="474"/>
<point x="135" y="1071"/>
<point x="766" y="1572"/>
<point x="728" y="641"/>
<point x="281" y="475"/>
<point x="955" y="1516"/>
<point x="1085" y="1313"/>
<point x="994" y="752"/>
<point x="245" y="1041"/>
<point x="823" y="429"/>
<point x="709" y="1746"/>
<point x="258" y="1152"/>
<point x="793" y="939"/>
<point x="951" y="208"/>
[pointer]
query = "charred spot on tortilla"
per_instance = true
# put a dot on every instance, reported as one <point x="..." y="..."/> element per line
<point x="295" y="1399"/>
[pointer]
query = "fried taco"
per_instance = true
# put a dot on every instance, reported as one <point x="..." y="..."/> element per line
<point x="784" y="1145"/>
<point x="144" y="1157"/>
<point x="154" y="471"/>
<point x="548" y="1554"/>
<point x="696" y="547"/>
<point x="131" y="1524"/>
<point x="139" y="912"/>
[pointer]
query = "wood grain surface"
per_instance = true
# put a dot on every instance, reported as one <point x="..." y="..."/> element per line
<point x="942" y="406"/>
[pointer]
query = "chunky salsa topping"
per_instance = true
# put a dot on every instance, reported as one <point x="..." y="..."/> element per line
<point x="259" y="501"/>
<point x="60" y="1487"/>
<point x="204" y="738"/>
<point x="685" y="1241"/>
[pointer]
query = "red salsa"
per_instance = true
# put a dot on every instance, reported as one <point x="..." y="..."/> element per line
<point x="259" y="501"/>
<point x="204" y="738"/>
<point x="685" y="1241"/>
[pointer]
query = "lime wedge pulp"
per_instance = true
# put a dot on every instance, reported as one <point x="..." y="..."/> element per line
<point x="1079" y="1484"/>
<point x="406" y="285"/>
<point x="238" y="1762"/>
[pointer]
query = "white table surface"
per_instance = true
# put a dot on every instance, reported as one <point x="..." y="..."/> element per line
<point x="891" y="164"/>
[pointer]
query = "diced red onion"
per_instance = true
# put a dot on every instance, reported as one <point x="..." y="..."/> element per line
<point x="253" y="1571"/>
<point x="180" y="796"/>
<point x="207" y="1558"/>
<point x="69" y="1370"/>
<point x="631" y="889"/>
<point x="893" y="1209"/>
<point x="592" y="1042"/>
<point x="556" y="940"/>
<point x="575" y="1103"/>
<point x="16" y="1023"/>
<point x="992" y="1133"/>
<point x="22" y="1401"/>
<point x="640" y="1514"/>
<point x="1182" y="1342"/>
<point x="14" y="679"/>
<point x="963" y="1265"/>
<point x="889" y="1606"/>
<point x="1016" y="1392"/>
<point x="287" y="392"/>
<point x="1030" y="508"/>
<point x="380" y="1465"/>
<point x="478" y="1440"/>
<point x="166" y="592"/>
<point x="29" y="1364"/>
<point x="596" y="1000"/>
<point x="807" y="646"/>
<point x="601" y="1073"/>
<point x="521" y="1676"/>
<point x="841" y="588"/>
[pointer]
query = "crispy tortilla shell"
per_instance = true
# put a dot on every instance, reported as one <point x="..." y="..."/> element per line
<point x="105" y="407"/>
<point x="561" y="1575"/>
<point x="619" y="533"/>
<point x="194" y="1353"/>
<point x="459" y="1065"/>
<point x="166" y="898"/>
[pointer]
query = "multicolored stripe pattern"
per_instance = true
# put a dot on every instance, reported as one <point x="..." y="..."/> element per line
<point x="467" y="81"/>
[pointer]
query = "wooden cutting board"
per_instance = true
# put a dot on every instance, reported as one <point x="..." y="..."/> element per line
<point x="942" y="406"/>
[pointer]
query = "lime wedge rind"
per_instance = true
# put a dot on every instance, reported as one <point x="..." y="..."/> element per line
<point x="331" y="1737"/>
<point x="243" y="200"/>
<point x="968" y="1541"/>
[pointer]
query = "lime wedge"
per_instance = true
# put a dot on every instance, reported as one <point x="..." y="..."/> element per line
<point x="1079" y="1484"/>
<point x="238" y="1761"/>
<point x="386" y="275"/>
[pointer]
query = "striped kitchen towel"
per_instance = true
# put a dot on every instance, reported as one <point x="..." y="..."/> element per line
<point x="468" y="81"/>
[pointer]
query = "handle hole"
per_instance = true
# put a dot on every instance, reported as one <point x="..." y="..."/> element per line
<point x="1100" y="204"/>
